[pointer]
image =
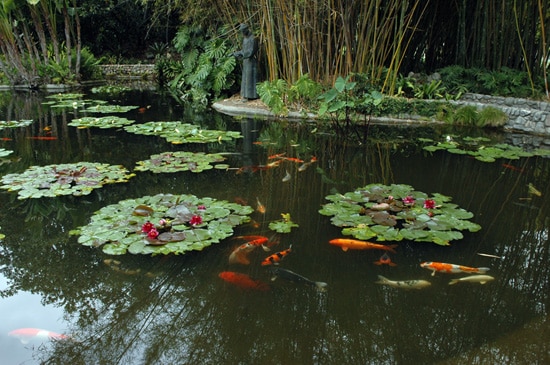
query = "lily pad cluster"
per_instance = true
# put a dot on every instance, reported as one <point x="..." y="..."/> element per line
<point x="110" y="108"/>
<point x="179" y="161"/>
<point x="103" y="122"/>
<point x="398" y="212"/>
<point x="162" y="224"/>
<point x="481" y="149"/>
<point x="283" y="225"/>
<point x="70" y="101"/>
<point x="64" y="179"/>
<point x="14" y="123"/>
<point x="179" y="132"/>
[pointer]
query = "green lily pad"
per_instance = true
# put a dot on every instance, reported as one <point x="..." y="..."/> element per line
<point x="110" y="89"/>
<point x="14" y="123"/>
<point x="284" y="225"/>
<point x="100" y="108"/>
<point x="182" y="223"/>
<point x="65" y="179"/>
<point x="397" y="212"/>
<point x="4" y="152"/>
<point x="179" y="132"/>
<point x="179" y="161"/>
<point x="103" y="123"/>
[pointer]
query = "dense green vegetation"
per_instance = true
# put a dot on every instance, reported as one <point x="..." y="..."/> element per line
<point x="386" y="47"/>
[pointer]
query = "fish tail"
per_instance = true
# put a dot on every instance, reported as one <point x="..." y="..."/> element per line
<point x="321" y="286"/>
<point x="391" y="248"/>
<point x="382" y="280"/>
<point x="482" y="270"/>
<point x="453" y="281"/>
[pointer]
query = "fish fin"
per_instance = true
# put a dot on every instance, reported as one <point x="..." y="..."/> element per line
<point x="344" y="249"/>
<point x="453" y="282"/>
<point x="391" y="248"/>
<point x="377" y="263"/>
<point x="433" y="272"/>
<point x="265" y="248"/>
<point x="392" y="264"/>
<point x="382" y="280"/>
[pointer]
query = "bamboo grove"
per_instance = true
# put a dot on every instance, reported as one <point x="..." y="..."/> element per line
<point x="381" y="38"/>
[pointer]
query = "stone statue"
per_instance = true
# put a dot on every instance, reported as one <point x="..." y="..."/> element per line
<point x="250" y="64"/>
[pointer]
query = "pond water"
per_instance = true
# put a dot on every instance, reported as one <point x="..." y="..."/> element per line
<point x="176" y="309"/>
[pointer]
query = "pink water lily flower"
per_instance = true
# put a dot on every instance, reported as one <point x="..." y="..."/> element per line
<point x="201" y="207"/>
<point x="195" y="220"/>
<point x="147" y="227"/>
<point x="429" y="204"/>
<point x="409" y="200"/>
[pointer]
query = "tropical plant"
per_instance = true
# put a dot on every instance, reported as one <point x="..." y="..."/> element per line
<point x="274" y="94"/>
<point x="339" y="101"/>
<point x="205" y="68"/>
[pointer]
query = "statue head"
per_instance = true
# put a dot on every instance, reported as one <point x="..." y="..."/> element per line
<point x="244" y="29"/>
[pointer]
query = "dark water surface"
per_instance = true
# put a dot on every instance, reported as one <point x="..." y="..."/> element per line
<point x="176" y="310"/>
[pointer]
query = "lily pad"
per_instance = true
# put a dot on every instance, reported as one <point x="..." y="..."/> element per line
<point x="179" y="132"/>
<point x="103" y="123"/>
<point x="64" y="179"/>
<point x="481" y="149"/>
<point x="397" y="212"/>
<point x="283" y="225"/>
<point x="4" y="152"/>
<point x="100" y="108"/>
<point x="176" y="224"/>
<point x="179" y="161"/>
<point x="14" y="123"/>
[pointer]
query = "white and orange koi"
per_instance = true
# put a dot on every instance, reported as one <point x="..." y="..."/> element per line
<point x="452" y="268"/>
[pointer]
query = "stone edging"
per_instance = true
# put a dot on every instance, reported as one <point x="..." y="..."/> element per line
<point x="129" y="71"/>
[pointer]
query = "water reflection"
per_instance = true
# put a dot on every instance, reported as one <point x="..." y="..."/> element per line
<point x="176" y="309"/>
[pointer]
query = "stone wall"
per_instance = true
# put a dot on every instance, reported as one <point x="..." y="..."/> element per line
<point x="129" y="71"/>
<point x="524" y="115"/>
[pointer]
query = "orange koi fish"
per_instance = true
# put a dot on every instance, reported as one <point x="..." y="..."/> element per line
<point x="240" y="254"/>
<point x="243" y="281"/>
<point x="385" y="260"/>
<point x="278" y="155"/>
<point x="6" y="139"/>
<point x="452" y="268"/>
<point x="293" y="159"/>
<point x="259" y="206"/>
<point x="351" y="244"/>
<point x="254" y="240"/>
<point x="276" y="257"/>
<point x="513" y="168"/>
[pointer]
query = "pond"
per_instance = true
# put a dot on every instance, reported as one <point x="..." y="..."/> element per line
<point x="175" y="309"/>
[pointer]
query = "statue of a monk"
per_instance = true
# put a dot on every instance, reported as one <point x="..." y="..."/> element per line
<point x="250" y="64"/>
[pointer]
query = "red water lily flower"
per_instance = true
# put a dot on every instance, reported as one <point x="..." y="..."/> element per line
<point x="429" y="204"/>
<point x="153" y="234"/>
<point x="201" y="207"/>
<point x="195" y="220"/>
<point x="147" y="227"/>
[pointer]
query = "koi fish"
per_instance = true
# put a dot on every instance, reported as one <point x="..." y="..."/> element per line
<point x="259" y="206"/>
<point x="6" y="139"/>
<point x="351" y="244"/>
<point x="276" y="257"/>
<point x="513" y="168"/>
<point x="293" y="159"/>
<point x="452" y="268"/>
<point x="287" y="176"/>
<point x="243" y="281"/>
<point x="25" y="335"/>
<point x="482" y="279"/>
<point x="278" y="272"/>
<point x="278" y="155"/>
<point x="240" y="254"/>
<point x="385" y="260"/>
<point x="305" y="165"/>
<point x="254" y="240"/>
<point x="405" y="284"/>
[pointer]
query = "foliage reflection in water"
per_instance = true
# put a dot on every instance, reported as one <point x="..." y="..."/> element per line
<point x="175" y="309"/>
